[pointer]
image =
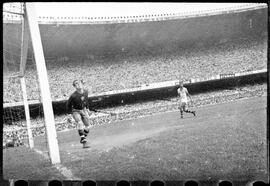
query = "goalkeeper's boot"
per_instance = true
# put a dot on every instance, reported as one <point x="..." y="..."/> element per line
<point x="84" y="142"/>
<point x="86" y="145"/>
<point x="194" y="113"/>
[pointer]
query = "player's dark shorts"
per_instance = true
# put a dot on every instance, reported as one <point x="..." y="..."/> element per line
<point x="81" y="115"/>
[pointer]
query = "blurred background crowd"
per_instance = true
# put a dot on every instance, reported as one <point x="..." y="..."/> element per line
<point x="125" y="69"/>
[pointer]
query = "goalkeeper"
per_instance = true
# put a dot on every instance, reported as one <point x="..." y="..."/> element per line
<point x="78" y="106"/>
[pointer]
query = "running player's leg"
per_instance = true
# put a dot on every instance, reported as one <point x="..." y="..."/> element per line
<point x="187" y="110"/>
<point x="181" y="109"/>
<point x="80" y="126"/>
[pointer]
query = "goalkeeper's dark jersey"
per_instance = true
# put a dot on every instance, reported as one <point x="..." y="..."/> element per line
<point x="78" y="101"/>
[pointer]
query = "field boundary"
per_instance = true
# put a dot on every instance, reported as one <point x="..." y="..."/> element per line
<point x="67" y="173"/>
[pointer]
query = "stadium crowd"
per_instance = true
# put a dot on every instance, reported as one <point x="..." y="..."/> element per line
<point x="125" y="70"/>
<point x="15" y="134"/>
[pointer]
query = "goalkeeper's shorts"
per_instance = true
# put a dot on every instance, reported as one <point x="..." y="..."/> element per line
<point x="81" y="115"/>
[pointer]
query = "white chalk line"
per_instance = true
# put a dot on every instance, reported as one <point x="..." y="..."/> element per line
<point x="61" y="168"/>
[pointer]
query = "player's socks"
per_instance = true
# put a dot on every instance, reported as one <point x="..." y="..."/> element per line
<point x="86" y="131"/>
<point x="188" y="111"/>
<point x="83" y="140"/>
<point x="181" y="114"/>
<point x="81" y="134"/>
<point x="192" y="112"/>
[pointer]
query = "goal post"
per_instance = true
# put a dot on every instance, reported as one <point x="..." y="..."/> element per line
<point x="23" y="59"/>
<point x="30" y="20"/>
<point x="24" y="43"/>
<point x="27" y="113"/>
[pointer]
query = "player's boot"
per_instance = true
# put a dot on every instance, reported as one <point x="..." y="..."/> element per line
<point x="194" y="113"/>
<point x="86" y="145"/>
<point x="84" y="142"/>
<point x="86" y="131"/>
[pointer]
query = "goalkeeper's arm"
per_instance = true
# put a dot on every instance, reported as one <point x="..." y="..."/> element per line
<point x="69" y="109"/>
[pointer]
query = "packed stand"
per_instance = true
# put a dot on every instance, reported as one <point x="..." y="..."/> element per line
<point x="125" y="70"/>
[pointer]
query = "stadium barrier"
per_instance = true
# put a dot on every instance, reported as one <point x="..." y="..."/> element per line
<point x="149" y="92"/>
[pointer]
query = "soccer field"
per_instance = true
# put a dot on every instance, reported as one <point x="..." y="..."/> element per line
<point x="223" y="142"/>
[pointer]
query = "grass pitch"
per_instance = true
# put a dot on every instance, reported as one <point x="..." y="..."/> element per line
<point x="223" y="142"/>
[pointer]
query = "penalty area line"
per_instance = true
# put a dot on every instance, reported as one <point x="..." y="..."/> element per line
<point x="67" y="173"/>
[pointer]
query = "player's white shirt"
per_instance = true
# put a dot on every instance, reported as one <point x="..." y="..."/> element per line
<point x="183" y="94"/>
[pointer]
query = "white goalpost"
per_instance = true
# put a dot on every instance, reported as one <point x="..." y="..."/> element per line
<point x="23" y="58"/>
<point x="30" y="16"/>
<point x="30" y="34"/>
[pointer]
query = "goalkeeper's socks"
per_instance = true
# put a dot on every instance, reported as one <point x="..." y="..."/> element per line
<point x="181" y="114"/>
<point x="83" y="140"/>
<point x="86" y="131"/>
<point x="82" y="135"/>
<point x="81" y="132"/>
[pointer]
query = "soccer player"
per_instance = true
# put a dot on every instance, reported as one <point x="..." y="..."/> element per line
<point x="183" y="93"/>
<point x="78" y="106"/>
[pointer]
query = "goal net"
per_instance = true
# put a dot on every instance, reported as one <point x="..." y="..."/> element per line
<point x="24" y="113"/>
